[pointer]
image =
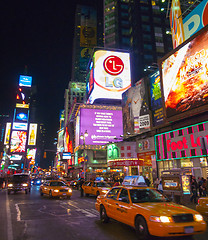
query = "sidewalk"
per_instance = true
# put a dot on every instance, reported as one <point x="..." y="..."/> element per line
<point x="3" y="215"/>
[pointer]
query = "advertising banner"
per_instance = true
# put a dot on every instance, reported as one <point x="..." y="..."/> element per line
<point x="112" y="75"/>
<point x="32" y="134"/>
<point x="182" y="143"/>
<point x="7" y="133"/>
<point x="19" y="126"/>
<point x="184" y="76"/>
<point x="25" y="81"/>
<point x="102" y="125"/>
<point x="146" y="158"/>
<point x="21" y="115"/>
<point x="135" y="108"/>
<point x="123" y="163"/>
<point x="18" y="141"/>
<point x="156" y="98"/>
<point x="31" y="153"/>
<point x="176" y="23"/>
<point x="196" y="19"/>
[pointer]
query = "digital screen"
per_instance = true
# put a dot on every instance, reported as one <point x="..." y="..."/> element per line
<point x="31" y="153"/>
<point x="135" y="108"/>
<point x="25" y="81"/>
<point x="7" y="133"/>
<point x="32" y="134"/>
<point x="156" y="98"/>
<point x="19" y="126"/>
<point x="66" y="155"/>
<point x="21" y="115"/>
<point x="102" y="126"/>
<point x="15" y="157"/>
<point x="185" y="78"/>
<point x="18" y="141"/>
<point x="112" y="75"/>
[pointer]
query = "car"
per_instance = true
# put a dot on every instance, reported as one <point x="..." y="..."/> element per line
<point x="37" y="181"/>
<point x="95" y="188"/>
<point x="19" y="182"/>
<point x="55" y="188"/>
<point x="149" y="212"/>
<point x="202" y="206"/>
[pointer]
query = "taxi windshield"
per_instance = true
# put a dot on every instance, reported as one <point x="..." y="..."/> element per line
<point x="146" y="195"/>
<point x="103" y="184"/>
<point x="57" y="184"/>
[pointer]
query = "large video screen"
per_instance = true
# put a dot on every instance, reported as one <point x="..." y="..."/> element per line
<point x="18" y="141"/>
<point x="25" y="81"/>
<point x="185" y="76"/>
<point x="102" y="125"/>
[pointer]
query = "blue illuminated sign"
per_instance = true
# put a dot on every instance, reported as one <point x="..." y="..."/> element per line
<point x="25" y="81"/>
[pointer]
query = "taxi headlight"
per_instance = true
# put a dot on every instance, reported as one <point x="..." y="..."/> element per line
<point x="10" y="185"/>
<point x="70" y="190"/>
<point x="56" y="190"/>
<point x="162" y="219"/>
<point x="104" y="191"/>
<point x="24" y="184"/>
<point x="198" y="217"/>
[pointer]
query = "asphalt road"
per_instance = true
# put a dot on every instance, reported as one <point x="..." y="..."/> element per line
<point x="32" y="217"/>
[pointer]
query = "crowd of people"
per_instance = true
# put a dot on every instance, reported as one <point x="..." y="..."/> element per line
<point x="199" y="188"/>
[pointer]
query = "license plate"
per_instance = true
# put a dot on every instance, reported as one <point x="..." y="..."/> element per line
<point x="64" y="193"/>
<point x="188" y="229"/>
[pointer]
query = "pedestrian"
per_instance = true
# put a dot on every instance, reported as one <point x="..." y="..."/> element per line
<point x="160" y="187"/>
<point x="193" y="190"/>
<point x="147" y="181"/>
<point x="204" y="188"/>
<point x="200" y="181"/>
<point x="81" y="182"/>
<point x="156" y="183"/>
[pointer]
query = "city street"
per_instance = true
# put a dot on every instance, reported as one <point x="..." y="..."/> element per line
<point x="32" y="217"/>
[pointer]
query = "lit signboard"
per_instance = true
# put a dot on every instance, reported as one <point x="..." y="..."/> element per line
<point x="20" y="105"/>
<point x="31" y="153"/>
<point x="184" y="76"/>
<point x="21" y="115"/>
<point x="15" y="157"/>
<point x="112" y="75"/>
<point x="196" y="19"/>
<point x="66" y="155"/>
<point x="32" y="134"/>
<point x="136" y="118"/>
<point x="102" y="125"/>
<point x="19" y="126"/>
<point x="7" y="133"/>
<point x="182" y="143"/>
<point x="156" y="98"/>
<point x="18" y="141"/>
<point x="25" y="81"/>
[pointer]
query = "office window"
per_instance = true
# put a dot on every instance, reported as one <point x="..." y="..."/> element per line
<point x="145" y="18"/>
<point x="147" y="47"/>
<point x="146" y="28"/>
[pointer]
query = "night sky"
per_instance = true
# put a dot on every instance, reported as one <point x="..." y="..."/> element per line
<point x="37" y="34"/>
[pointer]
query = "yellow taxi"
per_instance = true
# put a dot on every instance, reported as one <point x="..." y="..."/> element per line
<point x="149" y="212"/>
<point x="95" y="188"/>
<point x="202" y="206"/>
<point x="55" y="188"/>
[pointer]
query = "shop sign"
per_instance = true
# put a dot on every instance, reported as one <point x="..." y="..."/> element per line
<point x="123" y="163"/>
<point x="182" y="143"/>
<point x="145" y="159"/>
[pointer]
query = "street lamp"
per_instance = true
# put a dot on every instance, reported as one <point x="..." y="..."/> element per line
<point x="83" y="136"/>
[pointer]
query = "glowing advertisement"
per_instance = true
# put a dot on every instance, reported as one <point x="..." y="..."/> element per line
<point x="21" y="115"/>
<point x="15" y="157"/>
<point x="18" y="141"/>
<point x="31" y="153"/>
<point x="185" y="78"/>
<point x="19" y="126"/>
<point x="32" y="134"/>
<point x="68" y="147"/>
<point x="156" y="98"/>
<point x="182" y="143"/>
<point x="176" y="23"/>
<point x="196" y="19"/>
<point x="136" y="118"/>
<point x="20" y="105"/>
<point x="7" y="133"/>
<point x="112" y="75"/>
<point x="25" y="81"/>
<point x="60" y="144"/>
<point x="102" y="126"/>
<point x="66" y="155"/>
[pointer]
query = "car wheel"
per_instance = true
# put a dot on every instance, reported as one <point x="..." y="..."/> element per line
<point x="97" y="193"/>
<point x="141" y="228"/>
<point x="26" y="191"/>
<point x="50" y="194"/>
<point x="103" y="215"/>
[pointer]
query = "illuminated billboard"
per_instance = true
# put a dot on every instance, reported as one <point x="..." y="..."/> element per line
<point x="21" y="115"/>
<point x="102" y="125"/>
<point x="31" y="153"/>
<point x="25" y="81"/>
<point x="111" y="75"/>
<point x="156" y="98"/>
<point x="18" y="141"/>
<point x="196" y="19"/>
<point x="184" y="76"/>
<point x="7" y="133"/>
<point x="135" y="108"/>
<point x="32" y="134"/>
<point x="19" y="126"/>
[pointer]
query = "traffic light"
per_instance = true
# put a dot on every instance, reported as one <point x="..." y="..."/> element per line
<point x="44" y="155"/>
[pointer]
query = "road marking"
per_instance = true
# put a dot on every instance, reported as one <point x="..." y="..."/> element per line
<point x="18" y="212"/>
<point x="9" y="220"/>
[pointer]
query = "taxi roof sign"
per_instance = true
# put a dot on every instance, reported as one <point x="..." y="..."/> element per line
<point x="134" y="180"/>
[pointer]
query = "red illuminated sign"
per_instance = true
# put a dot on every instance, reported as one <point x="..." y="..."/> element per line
<point x="113" y="65"/>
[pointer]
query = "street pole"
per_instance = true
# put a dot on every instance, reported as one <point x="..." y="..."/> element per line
<point x="83" y="136"/>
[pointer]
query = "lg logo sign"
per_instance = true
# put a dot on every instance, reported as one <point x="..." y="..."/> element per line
<point x="113" y="65"/>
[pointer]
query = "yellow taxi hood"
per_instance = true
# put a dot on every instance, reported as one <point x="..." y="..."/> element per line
<point x="162" y="208"/>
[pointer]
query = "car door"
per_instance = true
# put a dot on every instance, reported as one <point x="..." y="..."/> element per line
<point x="110" y="203"/>
<point x="87" y="188"/>
<point x="94" y="188"/>
<point x="123" y="210"/>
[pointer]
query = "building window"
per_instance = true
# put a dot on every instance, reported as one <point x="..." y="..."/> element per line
<point x="147" y="37"/>
<point x="148" y="57"/>
<point x="145" y="18"/>
<point x="148" y="47"/>
<point x="146" y="28"/>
